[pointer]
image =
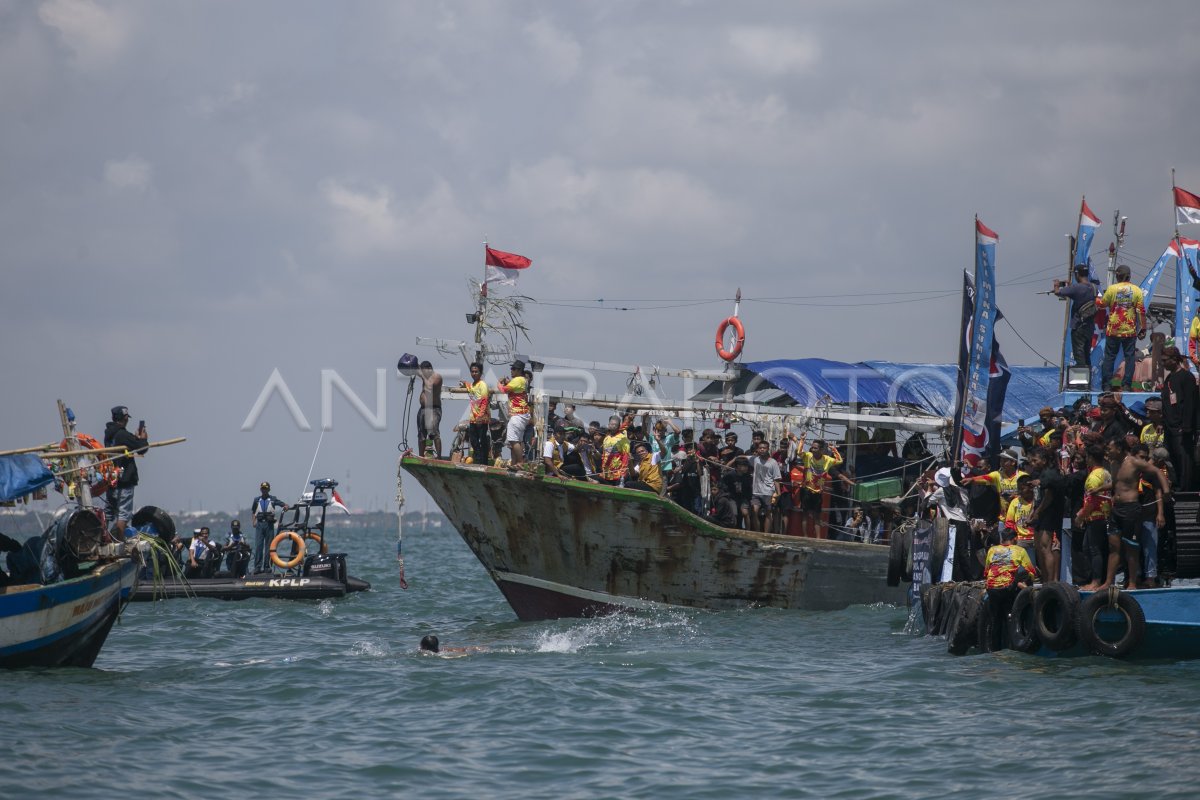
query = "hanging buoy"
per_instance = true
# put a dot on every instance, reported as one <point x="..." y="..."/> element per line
<point x="297" y="550"/>
<point x="730" y="355"/>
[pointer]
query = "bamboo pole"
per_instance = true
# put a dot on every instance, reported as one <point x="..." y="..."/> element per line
<point x="51" y="451"/>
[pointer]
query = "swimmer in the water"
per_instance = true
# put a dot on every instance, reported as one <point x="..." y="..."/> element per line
<point x="430" y="644"/>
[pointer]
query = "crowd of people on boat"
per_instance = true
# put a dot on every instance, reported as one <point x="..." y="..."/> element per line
<point x="790" y="483"/>
<point x="1090" y="495"/>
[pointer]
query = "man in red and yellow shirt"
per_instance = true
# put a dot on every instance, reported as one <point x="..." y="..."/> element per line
<point x="1019" y="517"/>
<point x="1004" y="480"/>
<point x="1093" y="515"/>
<point x="614" y="459"/>
<point x="517" y="390"/>
<point x="479" y="421"/>
<point x="1007" y="570"/>
<point x="1126" y="306"/>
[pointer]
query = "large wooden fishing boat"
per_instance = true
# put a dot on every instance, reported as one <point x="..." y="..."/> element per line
<point x="562" y="548"/>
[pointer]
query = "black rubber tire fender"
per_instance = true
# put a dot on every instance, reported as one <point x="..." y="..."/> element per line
<point x="939" y="539"/>
<point x="161" y="519"/>
<point x="985" y="628"/>
<point x="1125" y="604"/>
<point x="1022" y="632"/>
<point x="963" y="632"/>
<point x="895" y="564"/>
<point x="1056" y="615"/>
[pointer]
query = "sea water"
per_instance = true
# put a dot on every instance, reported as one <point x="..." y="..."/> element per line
<point x="331" y="699"/>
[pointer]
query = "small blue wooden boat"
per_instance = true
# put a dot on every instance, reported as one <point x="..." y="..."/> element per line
<point x="64" y="624"/>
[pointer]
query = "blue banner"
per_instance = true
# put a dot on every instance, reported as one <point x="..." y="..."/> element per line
<point x="1185" y="307"/>
<point x="981" y="405"/>
<point x="1150" y="282"/>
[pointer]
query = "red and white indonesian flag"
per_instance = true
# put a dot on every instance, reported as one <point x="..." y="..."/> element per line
<point x="335" y="501"/>
<point x="984" y="234"/>
<point x="503" y="268"/>
<point x="1187" y="207"/>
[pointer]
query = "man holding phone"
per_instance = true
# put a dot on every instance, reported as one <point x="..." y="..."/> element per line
<point x="119" y="500"/>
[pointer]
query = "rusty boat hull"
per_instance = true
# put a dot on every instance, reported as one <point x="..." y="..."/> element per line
<point x="558" y="548"/>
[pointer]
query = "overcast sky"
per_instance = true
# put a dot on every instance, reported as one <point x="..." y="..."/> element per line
<point x="193" y="195"/>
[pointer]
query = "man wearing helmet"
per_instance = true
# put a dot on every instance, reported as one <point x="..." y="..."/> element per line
<point x="262" y="511"/>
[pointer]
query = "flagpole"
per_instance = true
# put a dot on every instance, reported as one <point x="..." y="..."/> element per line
<point x="1072" y="250"/>
<point x="482" y="310"/>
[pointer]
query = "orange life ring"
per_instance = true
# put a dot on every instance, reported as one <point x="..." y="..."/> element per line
<point x="730" y="355"/>
<point x="106" y="471"/>
<point x="319" y="539"/>
<point x="299" y="548"/>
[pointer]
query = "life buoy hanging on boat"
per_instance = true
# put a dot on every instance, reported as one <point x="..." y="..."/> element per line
<point x="319" y="539"/>
<point x="298" y="550"/>
<point x="730" y="355"/>
<point x="106" y="471"/>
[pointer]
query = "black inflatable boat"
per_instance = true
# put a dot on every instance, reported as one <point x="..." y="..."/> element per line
<point x="300" y="574"/>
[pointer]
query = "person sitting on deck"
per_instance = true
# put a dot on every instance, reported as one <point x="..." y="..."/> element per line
<point x="1007" y="570"/>
<point x="517" y="390"/>
<point x="237" y="550"/>
<point x="817" y="463"/>
<point x="734" y="493"/>
<point x="200" y="556"/>
<point x="765" y="490"/>
<point x="615" y="451"/>
<point x="573" y="465"/>
<point x="554" y="451"/>
<point x="645" y="473"/>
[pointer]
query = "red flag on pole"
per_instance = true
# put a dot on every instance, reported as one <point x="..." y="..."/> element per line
<point x="503" y="267"/>
<point x="1187" y="207"/>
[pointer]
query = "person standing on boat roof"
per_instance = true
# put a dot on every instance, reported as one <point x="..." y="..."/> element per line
<point x="479" y="422"/>
<point x="1126" y="307"/>
<point x="262" y="511"/>
<point x="517" y="389"/>
<point x="429" y="413"/>
<point x="1082" y="294"/>
<point x="119" y="499"/>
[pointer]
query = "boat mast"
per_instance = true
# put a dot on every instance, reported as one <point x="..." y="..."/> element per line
<point x="481" y="309"/>
<point x="83" y="489"/>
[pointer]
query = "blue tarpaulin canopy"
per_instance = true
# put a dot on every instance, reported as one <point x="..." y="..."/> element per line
<point x="928" y="387"/>
<point x="21" y="475"/>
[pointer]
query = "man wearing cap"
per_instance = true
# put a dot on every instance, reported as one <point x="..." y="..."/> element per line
<point x="119" y="500"/>
<point x="1082" y="294"/>
<point x="1126" y="308"/>
<point x="1180" y="398"/>
<point x="262" y="511"/>
<point x="517" y="389"/>
<point x="1004" y="480"/>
